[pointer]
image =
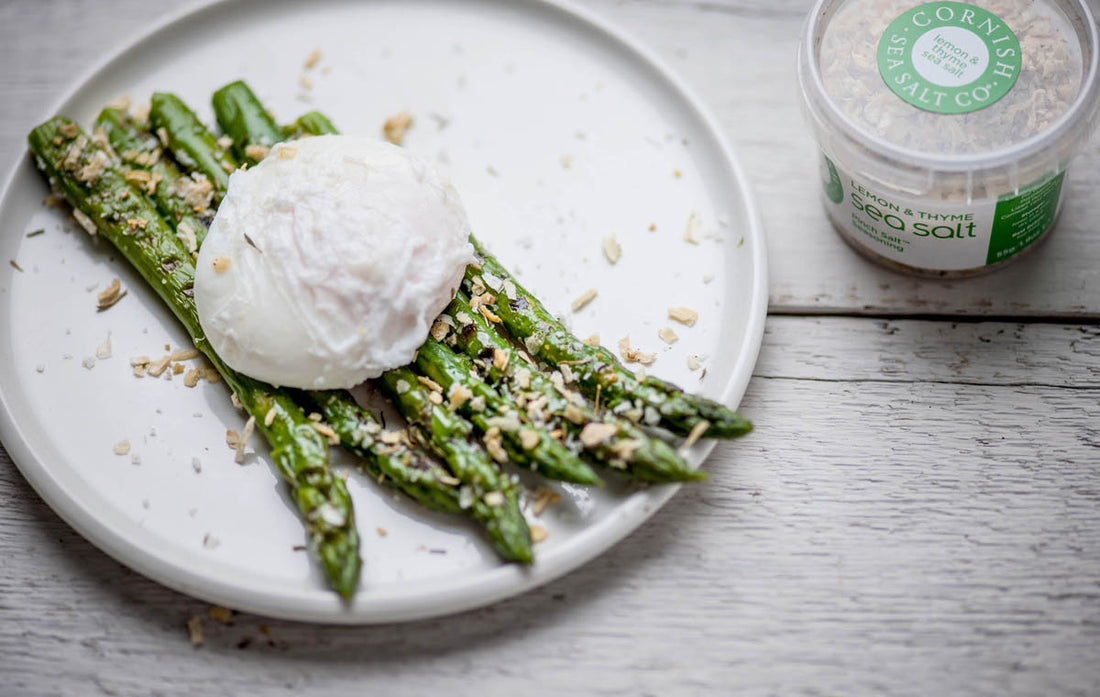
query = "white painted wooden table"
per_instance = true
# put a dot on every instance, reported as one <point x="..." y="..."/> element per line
<point x="918" y="511"/>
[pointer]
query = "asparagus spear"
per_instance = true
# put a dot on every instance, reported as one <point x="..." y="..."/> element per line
<point x="105" y="204"/>
<point x="312" y="123"/>
<point x="599" y="374"/>
<point x="178" y="197"/>
<point x="192" y="143"/>
<point x="491" y="497"/>
<point x="507" y="431"/>
<point x="608" y="439"/>
<point x="385" y="459"/>
<point x="244" y="118"/>
<point x="548" y="457"/>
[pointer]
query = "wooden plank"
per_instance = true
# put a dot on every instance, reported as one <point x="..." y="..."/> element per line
<point x="916" y="513"/>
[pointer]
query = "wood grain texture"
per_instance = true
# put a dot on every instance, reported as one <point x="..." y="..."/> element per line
<point x="905" y="520"/>
<point x="918" y="511"/>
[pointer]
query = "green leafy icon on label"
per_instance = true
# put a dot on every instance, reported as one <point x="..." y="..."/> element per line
<point x="834" y="190"/>
<point x="949" y="57"/>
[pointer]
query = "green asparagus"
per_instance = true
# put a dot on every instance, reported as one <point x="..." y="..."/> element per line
<point x="608" y="439"/>
<point x="179" y="198"/>
<point x="244" y="119"/>
<point x="105" y="204"/>
<point x="506" y="429"/>
<point x="598" y="373"/>
<point x="190" y="141"/>
<point x="313" y="123"/>
<point x="491" y="497"/>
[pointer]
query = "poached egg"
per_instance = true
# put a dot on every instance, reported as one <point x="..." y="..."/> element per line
<point x="327" y="263"/>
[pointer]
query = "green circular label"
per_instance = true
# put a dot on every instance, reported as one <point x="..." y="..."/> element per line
<point x="949" y="57"/>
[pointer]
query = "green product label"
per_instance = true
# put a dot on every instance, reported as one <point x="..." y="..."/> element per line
<point x="1019" y="221"/>
<point x="949" y="57"/>
<point x="936" y="234"/>
<point x="830" y="180"/>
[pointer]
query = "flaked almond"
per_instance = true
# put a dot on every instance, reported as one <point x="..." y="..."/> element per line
<point x="695" y="433"/>
<point x="574" y="414"/>
<point x="667" y="335"/>
<point x="458" y="395"/>
<point x="595" y="433"/>
<point x="683" y="315"/>
<point x="528" y="438"/>
<point x="122" y="447"/>
<point x="255" y="151"/>
<point x="158" y="366"/>
<point x="85" y="222"/>
<point x="592" y="340"/>
<point x="612" y="250"/>
<point x="583" y="299"/>
<point x="691" y="230"/>
<point x="523" y="378"/>
<point x="184" y="354"/>
<point x="312" y="59"/>
<point x="326" y="431"/>
<point x="500" y="359"/>
<point x="429" y="383"/>
<point x="489" y="315"/>
<point x="538" y="533"/>
<point x="191" y="378"/>
<point x="440" y="330"/>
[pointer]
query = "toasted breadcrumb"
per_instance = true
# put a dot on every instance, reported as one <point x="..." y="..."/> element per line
<point x="122" y="447"/>
<point x="538" y="533"/>
<point x="220" y="614"/>
<point x="544" y="498"/>
<point x="194" y="630"/>
<point x="395" y="127"/>
<point x="312" y="59"/>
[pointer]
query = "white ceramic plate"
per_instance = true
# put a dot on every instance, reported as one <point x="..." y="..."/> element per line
<point x="556" y="130"/>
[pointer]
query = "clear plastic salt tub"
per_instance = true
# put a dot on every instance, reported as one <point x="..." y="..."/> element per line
<point x="946" y="128"/>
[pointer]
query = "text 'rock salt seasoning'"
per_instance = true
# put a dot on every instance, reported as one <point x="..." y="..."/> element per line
<point x="946" y="127"/>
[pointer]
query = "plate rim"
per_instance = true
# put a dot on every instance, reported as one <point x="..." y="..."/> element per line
<point x="502" y="582"/>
